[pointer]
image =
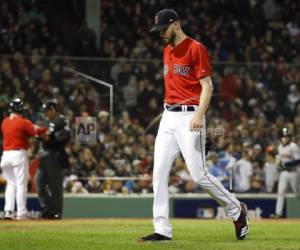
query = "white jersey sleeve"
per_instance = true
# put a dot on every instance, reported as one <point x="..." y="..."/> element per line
<point x="296" y="151"/>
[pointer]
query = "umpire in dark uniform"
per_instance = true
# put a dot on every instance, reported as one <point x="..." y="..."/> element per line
<point x="53" y="161"/>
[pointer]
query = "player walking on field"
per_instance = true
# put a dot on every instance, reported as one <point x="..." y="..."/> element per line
<point x="188" y="90"/>
<point x="16" y="131"/>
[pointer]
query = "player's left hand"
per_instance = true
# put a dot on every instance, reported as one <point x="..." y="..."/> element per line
<point x="197" y="123"/>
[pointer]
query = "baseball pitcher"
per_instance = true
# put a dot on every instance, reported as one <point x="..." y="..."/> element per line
<point x="188" y="90"/>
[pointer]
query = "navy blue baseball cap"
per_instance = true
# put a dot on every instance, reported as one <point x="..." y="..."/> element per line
<point x="49" y="104"/>
<point x="284" y="133"/>
<point x="163" y="19"/>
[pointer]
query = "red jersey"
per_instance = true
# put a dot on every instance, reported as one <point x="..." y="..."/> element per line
<point x="17" y="130"/>
<point x="184" y="66"/>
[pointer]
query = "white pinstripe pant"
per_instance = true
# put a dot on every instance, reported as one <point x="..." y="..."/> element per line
<point x="14" y="164"/>
<point x="174" y="136"/>
<point x="286" y="179"/>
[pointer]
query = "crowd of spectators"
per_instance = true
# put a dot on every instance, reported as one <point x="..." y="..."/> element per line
<point x="24" y="28"/>
<point x="251" y="102"/>
<point x="232" y="30"/>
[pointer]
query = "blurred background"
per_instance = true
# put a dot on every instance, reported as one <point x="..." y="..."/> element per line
<point x="255" y="49"/>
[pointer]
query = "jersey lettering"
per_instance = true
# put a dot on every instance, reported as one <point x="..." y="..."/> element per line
<point x="181" y="70"/>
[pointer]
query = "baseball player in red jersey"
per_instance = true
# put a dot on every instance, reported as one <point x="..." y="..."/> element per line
<point x="188" y="90"/>
<point x="16" y="131"/>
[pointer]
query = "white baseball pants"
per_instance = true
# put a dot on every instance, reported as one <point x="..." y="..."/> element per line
<point x="286" y="179"/>
<point x="14" y="164"/>
<point x="174" y="136"/>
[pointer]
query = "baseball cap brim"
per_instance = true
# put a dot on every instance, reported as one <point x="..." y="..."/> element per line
<point x="159" y="27"/>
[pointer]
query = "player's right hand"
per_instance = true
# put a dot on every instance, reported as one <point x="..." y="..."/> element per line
<point x="196" y="123"/>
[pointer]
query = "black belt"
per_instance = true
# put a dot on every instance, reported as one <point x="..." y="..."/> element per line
<point x="179" y="108"/>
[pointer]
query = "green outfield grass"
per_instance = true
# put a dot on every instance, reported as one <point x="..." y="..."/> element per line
<point x="121" y="234"/>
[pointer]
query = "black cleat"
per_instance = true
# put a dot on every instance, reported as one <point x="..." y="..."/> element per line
<point x="46" y="214"/>
<point x="55" y="216"/>
<point x="154" y="237"/>
<point x="242" y="224"/>
<point x="8" y="215"/>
